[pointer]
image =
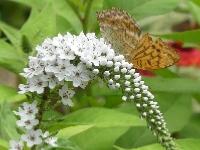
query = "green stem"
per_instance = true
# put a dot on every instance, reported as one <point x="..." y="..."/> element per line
<point x="40" y="111"/>
<point x="86" y="16"/>
<point x="42" y="104"/>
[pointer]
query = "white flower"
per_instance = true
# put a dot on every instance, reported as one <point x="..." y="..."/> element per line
<point x="117" y="77"/>
<point x="83" y="85"/>
<point x="79" y="74"/>
<point x="132" y="97"/>
<point x="119" y="58"/>
<point x="145" y="98"/>
<point x="136" y="75"/>
<point x="46" y="134"/>
<point x="23" y="88"/>
<point x="137" y="90"/>
<point x="138" y="105"/>
<point x="27" y="123"/>
<point x="127" y="89"/>
<point x="137" y="84"/>
<point x="127" y="83"/>
<point x="91" y="57"/>
<point x="37" y="84"/>
<point x="95" y="71"/>
<point x="46" y="51"/>
<point x="65" y="52"/>
<point x="110" y="81"/>
<point x="103" y="61"/>
<point x="118" y="64"/>
<point x="52" y="66"/>
<point x="51" y="79"/>
<point x="117" y="85"/>
<point x="125" y="64"/>
<point x="144" y="105"/>
<point x="127" y="77"/>
<point x="66" y="95"/>
<point x="124" y="98"/>
<point x="138" y="79"/>
<point x="138" y="95"/>
<point x="15" y="145"/>
<point x="27" y="110"/>
<point x="132" y="71"/>
<point x="116" y="69"/>
<point x="51" y="141"/>
<point x="109" y="64"/>
<point x="144" y="114"/>
<point x="32" y="137"/>
<point x="64" y="69"/>
<point x="106" y="73"/>
<point x="36" y="67"/>
<point x="124" y="70"/>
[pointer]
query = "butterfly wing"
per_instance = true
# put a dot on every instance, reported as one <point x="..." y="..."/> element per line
<point x="118" y="29"/>
<point x="121" y="31"/>
<point x="152" y="54"/>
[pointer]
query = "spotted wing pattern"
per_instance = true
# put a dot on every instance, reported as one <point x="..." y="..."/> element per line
<point x="121" y="31"/>
<point x="152" y="54"/>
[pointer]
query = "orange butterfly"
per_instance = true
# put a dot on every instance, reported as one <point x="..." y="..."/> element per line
<point x="121" y="31"/>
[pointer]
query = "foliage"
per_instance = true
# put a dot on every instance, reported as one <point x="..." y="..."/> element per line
<point x="99" y="120"/>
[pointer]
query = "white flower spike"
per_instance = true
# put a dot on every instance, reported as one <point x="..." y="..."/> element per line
<point x="76" y="60"/>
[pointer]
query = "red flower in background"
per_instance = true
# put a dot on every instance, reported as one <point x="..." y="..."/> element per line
<point x="146" y="73"/>
<point x="188" y="56"/>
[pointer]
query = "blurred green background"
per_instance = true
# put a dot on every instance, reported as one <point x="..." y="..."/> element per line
<point x="100" y="120"/>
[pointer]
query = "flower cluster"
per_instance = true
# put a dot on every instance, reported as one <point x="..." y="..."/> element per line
<point x="33" y="136"/>
<point x="67" y="62"/>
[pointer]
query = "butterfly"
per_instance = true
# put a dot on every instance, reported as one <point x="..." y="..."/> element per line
<point x="121" y="31"/>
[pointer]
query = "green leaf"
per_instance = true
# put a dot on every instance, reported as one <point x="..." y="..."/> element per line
<point x="98" y="138"/>
<point x="62" y="144"/>
<point x="195" y="10"/>
<point x="3" y="144"/>
<point x="98" y="117"/>
<point x="40" y="26"/>
<point x="154" y="8"/>
<point x="91" y="21"/>
<point x="183" y="144"/>
<point x="144" y="8"/>
<point x="10" y="58"/>
<point x="3" y="148"/>
<point x="124" y="4"/>
<point x="31" y="3"/>
<point x="12" y="34"/>
<point x="65" y="144"/>
<point x="173" y="85"/>
<point x="173" y="106"/>
<point x="166" y="73"/>
<point x="26" y="45"/>
<point x="62" y="8"/>
<point x="73" y="130"/>
<point x="100" y="126"/>
<point x="7" y="123"/>
<point x="10" y="94"/>
<point x="196" y="2"/>
<point x="192" y="36"/>
<point x="6" y="92"/>
<point x="191" y="130"/>
<point x="63" y="25"/>
<point x="138" y="136"/>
